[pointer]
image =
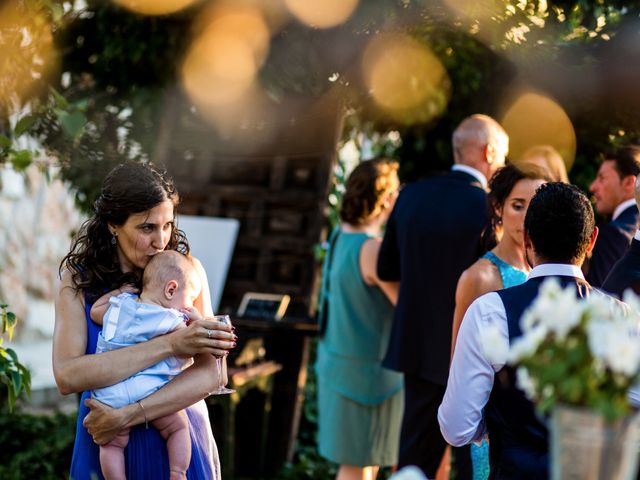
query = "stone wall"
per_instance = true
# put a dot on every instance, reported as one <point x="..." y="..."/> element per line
<point x="37" y="220"/>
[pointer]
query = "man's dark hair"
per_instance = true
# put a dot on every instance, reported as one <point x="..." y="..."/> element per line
<point x="559" y="223"/>
<point x="626" y="160"/>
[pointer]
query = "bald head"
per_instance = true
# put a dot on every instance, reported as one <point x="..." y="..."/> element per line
<point x="480" y="142"/>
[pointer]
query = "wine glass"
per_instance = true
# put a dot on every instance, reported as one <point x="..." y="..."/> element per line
<point x="221" y="389"/>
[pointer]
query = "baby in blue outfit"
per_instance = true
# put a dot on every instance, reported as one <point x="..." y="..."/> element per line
<point x="170" y="284"/>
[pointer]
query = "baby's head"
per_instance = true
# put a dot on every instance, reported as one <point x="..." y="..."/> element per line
<point x="171" y="280"/>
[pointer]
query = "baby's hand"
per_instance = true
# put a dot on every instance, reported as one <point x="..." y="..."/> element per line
<point x="192" y="313"/>
<point x="126" y="288"/>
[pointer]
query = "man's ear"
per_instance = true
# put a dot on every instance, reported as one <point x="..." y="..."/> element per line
<point x="528" y="248"/>
<point x="629" y="185"/>
<point x="170" y="288"/>
<point x="592" y="240"/>
<point x="527" y="240"/>
<point x="488" y="152"/>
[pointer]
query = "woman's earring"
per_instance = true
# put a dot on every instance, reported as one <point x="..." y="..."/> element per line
<point x="114" y="237"/>
<point x="499" y="221"/>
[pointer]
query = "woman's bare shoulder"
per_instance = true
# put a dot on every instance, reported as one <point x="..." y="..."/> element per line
<point x="197" y="264"/>
<point x="65" y="281"/>
<point x="481" y="277"/>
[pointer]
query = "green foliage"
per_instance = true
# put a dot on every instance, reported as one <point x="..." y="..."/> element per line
<point x="36" y="446"/>
<point x="13" y="374"/>
<point x="19" y="158"/>
<point x="121" y="62"/>
<point x="89" y="137"/>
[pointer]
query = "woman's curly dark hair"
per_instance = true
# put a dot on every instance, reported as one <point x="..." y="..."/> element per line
<point x="367" y="189"/>
<point x="129" y="188"/>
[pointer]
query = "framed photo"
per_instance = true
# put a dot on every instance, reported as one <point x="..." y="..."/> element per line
<point x="263" y="305"/>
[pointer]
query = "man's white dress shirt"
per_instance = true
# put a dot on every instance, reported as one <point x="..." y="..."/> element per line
<point x="622" y="207"/>
<point x="471" y="375"/>
<point x="477" y="174"/>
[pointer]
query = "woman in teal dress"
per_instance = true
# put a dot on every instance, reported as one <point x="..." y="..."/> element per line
<point x="505" y="266"/>
<point x="359" y="401"/>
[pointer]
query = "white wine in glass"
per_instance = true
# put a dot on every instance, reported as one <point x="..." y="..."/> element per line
<point x="221" y="389"/>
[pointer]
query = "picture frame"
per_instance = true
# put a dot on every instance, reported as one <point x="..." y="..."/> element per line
<point x="267" y="306"/>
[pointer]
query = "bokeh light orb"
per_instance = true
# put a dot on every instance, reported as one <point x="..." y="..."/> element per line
<point x="27" y="52"/>
<point x="322" y="13"/>
<point x="533" y="119"/>
<point x="404" y="78"/>
<point x="246" y="24"/>
<point x="224" y="58"/>
<point x="218" y="68"/>
<point x="154" y="7"/>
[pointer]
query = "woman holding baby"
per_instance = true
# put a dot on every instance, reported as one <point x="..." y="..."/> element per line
<point x="134" y="219"/>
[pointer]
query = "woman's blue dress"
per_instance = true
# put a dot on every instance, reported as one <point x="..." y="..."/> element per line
<point x="146" y="455"/>
<point x="511" y="277"/>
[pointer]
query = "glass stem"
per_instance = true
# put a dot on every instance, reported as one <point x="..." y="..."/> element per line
<point x="219" y="365"/>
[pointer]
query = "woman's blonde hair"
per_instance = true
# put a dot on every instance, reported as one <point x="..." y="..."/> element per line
<point x="368" y="189"/>
<point x="553" y="161"/>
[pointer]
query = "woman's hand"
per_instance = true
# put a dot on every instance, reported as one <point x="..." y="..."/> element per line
<point x="104" y="422"/>
<point x="203" y="335"/>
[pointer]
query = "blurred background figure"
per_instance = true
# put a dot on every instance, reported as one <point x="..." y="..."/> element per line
<point x="359" y="401"/>
<point x="626" y="272"/>
<point x="432" y="236"/>
<point x="511" y="190"/>
<point x="613" y="193"/>
<point x="547" y="157"/>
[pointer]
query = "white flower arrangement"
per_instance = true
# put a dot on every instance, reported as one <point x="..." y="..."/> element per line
<point x="580" y="352"/>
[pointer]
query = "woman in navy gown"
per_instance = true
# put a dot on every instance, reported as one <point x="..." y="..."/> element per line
<point x="134" y="218"/>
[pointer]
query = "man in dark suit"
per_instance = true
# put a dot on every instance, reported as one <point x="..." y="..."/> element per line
<point x="625" y="273"/>
<point x="481" y="396"/>
<point x="613" y="191"/>
<point x="432" y="235"/>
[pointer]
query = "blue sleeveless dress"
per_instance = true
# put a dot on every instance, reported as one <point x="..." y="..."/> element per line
<point x="146" y="455"/>
<point x="511" y="277"/>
